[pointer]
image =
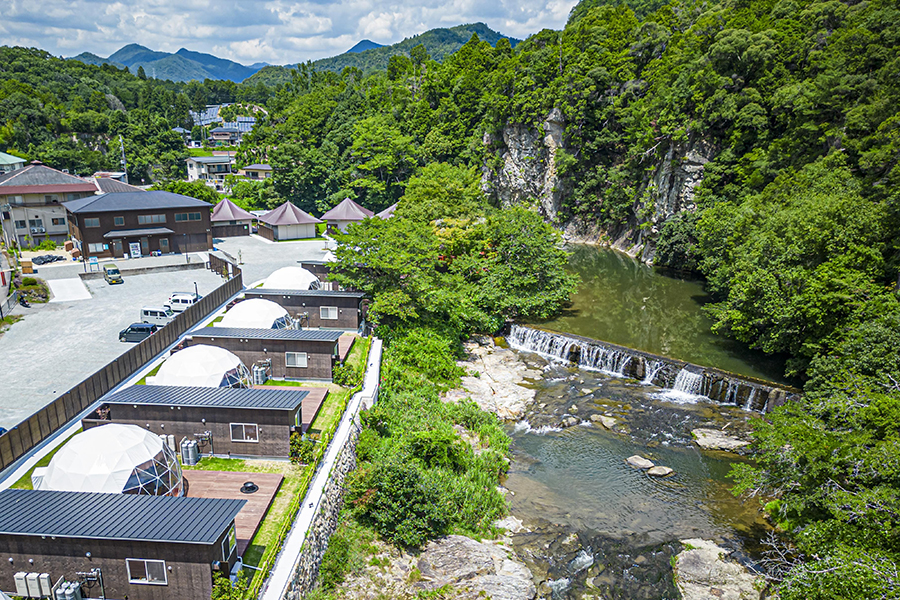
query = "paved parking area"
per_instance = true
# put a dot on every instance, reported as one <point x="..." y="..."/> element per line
<point x="261" y="257"/>
<point x="57" y="345"/>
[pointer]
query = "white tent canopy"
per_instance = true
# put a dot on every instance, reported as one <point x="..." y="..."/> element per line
<point x="202" y="366"/>
<point x="115" y="459"/>
<point x="256" y="313"/>
<point x="291" y="278"/>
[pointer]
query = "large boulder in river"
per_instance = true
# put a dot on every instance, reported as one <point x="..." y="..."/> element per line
<point x="703" y="571"/>
<point x="474" y="570"/>
<point x="639" y="462"/>
<point x="713" y="439"/>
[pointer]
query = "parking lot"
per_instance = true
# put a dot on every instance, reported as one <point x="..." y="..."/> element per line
<point x="58" y="344"/>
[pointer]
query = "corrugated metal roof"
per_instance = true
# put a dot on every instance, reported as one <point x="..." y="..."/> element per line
<point x="170" y="395"/>
<point x="211" y="160"/>
<point x="301" y="335"/>
<point x="116" y="516"/>
<point x="155" y="200"/>
<point x="318" y="293"/>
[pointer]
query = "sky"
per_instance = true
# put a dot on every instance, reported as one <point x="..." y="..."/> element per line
<point x="248" y="31"/>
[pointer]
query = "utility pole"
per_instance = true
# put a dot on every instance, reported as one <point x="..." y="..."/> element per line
<point x="124" y="162"/>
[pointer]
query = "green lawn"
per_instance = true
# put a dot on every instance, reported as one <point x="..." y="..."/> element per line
<point x="216" y="320"/>
<point x="155" y="370"/>
<point x="25" y="482"/>
<point x="200" y="152"/>
<point x="271" y="523"/>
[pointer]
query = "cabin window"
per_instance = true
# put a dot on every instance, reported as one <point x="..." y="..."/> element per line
<point x="58" y="221"/>
<point x="328" y="313"/>
<point x="149" y="219"/>
<point x="119" y="221"/>
<point x="295" y="359"/>
<point x="21" y="224"/>
<point x="142" y="570"/>
<point x="95" y="248"/>
<point x="228" y="544"/>
<point x="244" y="432"/>
<point x="35" y="222"/>
<point x="194" y="216"/>
<point x="92" y="222"/>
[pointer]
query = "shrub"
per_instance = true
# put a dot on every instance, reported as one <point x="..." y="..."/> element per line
<point x="28" y="281"/>
<point x="302" y="449"/>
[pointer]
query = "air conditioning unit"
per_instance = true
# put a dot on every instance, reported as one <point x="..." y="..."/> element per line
<point x="37" y="230"/>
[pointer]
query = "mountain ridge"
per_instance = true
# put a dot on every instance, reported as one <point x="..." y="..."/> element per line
<point x="183" y="65"/>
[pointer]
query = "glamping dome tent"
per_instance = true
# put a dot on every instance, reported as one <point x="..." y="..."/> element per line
<point x="257" y="313"/>
<point x="291" y="278"/>
<point x="115" y="459"/>
<point x="202" y="366"/>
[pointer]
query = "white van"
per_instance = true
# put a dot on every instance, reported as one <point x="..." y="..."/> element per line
<point x="181" y="301"/>
<point x="160" y="315"/>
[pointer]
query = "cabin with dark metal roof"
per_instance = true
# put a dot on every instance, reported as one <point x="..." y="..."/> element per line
<point x="143" y="547"/>
<point x="225" y="421"/>
<point x="327" y="309"/>
<point x="286" y="353"/>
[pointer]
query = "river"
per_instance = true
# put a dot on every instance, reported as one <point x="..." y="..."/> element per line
<point x="597" y="525"/>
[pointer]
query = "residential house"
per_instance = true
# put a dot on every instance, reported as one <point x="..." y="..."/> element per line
<point x="31" y="199"/>
<point x="210" y="169"/>
<point x="225" y="135"/>
<point x="238" y="422"/>
<point x="256" y="171"/>
<point x="113" y="185"/>
<point x="345" y="213"/>
<point x="287" y="222"/>
<point x="144" y="547"/>
<point x="184" y="133"/>
<point x="8" y="163"/>
<point x="139" y="223"/>
<point x="230" y="220"/>
<point x="286" y="353"/>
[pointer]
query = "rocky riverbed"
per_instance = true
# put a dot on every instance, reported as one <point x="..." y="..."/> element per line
<point x="617" y="533"/>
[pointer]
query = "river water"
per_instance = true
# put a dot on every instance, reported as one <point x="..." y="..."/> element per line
<point x="599" y="528"/>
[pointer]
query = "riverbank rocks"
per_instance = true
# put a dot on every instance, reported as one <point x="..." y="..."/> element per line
<point x="605" y="420"/>
<point x="494" y="381"/>
<point x="639" y="462"/>
<point x="569" y="422"/>
<point x="659" y="471"/>
<point x="703" y="571"/>
<point x="713" y="439"/>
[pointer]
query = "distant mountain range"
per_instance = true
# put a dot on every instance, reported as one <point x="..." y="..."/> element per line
<point x="367" y="55"/>
<point x="438" y="42"/>
<point x="183" y="65"/>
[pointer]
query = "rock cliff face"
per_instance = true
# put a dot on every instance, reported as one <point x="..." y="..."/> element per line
<point x="525" y="173"/>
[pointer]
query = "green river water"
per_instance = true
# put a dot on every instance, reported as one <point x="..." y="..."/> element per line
<point x="599" y="528"/>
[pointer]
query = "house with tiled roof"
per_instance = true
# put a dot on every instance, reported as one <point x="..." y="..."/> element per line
<point x="8" y="163"/>
<point x="256" y="171"/>
<point x="287" y="222"/>
<point x="31" y="199"/>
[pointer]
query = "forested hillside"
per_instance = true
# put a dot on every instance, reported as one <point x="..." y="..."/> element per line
<point x="788" y="112"/>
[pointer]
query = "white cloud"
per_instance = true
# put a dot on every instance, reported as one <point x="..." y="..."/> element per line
<point x="274" y="31"/>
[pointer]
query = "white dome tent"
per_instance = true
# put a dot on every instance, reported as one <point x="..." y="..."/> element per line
<point x="257" y="313"/>
<point x="202" y="366"/>
<point x="114" y="459"/>
<point x="291" y="278"/>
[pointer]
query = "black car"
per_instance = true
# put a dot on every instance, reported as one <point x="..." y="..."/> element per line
<point x="137" y="332"/>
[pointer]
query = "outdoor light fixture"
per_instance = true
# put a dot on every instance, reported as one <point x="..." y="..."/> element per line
<point x="88" y="554"/>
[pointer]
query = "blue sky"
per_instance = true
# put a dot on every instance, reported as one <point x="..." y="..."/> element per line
<point x="248" y="31"/>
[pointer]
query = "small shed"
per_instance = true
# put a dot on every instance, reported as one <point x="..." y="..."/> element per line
<point x="147" y="547"/>
<point x="287" y="222"/>
<point x="243" y="422"/>
<point x="230" y="220"/>
<point x="287" y="353"/>
<point x="345" y="213"/>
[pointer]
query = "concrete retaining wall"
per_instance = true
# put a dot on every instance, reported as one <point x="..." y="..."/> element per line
<point x="144" y="270"/>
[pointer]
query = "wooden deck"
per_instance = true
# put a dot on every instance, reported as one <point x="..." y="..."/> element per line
<point x="227" y="484"/>
<point x="312" y="403"/>
<point x="345" y="342"/>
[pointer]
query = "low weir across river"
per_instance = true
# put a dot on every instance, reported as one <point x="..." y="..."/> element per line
<point x="651" y="369"/>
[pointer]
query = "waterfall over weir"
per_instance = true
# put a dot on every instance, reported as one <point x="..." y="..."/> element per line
<point x="683" y="381"/>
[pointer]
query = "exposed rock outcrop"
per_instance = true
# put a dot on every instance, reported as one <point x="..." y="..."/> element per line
<point x="494" y="380"/>
<point x="464" y="568"/>
<point x="713" y="439"/>
<point x="703" y="571"/>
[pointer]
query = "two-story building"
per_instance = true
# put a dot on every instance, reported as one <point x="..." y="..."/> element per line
<point x="210" y="169"/>
<point x="31" y="202"/>
<point x="139" y="223"/>
<point x="9" y="163"/>
<point x="256" y="171"/>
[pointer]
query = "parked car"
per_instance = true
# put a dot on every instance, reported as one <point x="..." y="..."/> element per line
<point x="181" y="301"/>
<point x="159" y="315"/>
<point x="112" y="275"/>
<point x="137" y="332"/>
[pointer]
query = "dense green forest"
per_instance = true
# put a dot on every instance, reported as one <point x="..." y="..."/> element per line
<point x="795" y="228"/>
